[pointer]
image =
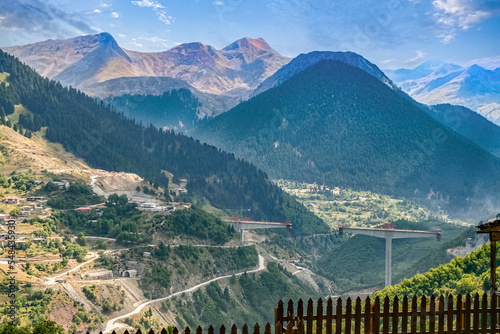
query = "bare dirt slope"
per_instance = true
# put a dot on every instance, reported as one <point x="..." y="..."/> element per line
<point x="22" y="154"/>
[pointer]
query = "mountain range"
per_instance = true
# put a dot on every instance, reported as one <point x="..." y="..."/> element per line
<point x="220" y="79"/>
<point x="328" y="117"/>
<point x="336" y="124"/>
<point x="97" y="65"/>
<point x="476" y="86"/>
<point x="106" y="139"/>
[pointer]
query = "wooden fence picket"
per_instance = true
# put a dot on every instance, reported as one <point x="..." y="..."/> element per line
<point x="467" y="314"/>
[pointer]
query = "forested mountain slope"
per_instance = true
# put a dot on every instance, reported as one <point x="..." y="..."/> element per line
<point x="107" y="140"/>
<point x="338" y="125"/>
<point x="469" y="124"/>
<point x="469" y="274"/>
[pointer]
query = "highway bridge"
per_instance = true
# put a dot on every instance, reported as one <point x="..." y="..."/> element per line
<point x="389" y="232"/>
<point x="241" y="225"/>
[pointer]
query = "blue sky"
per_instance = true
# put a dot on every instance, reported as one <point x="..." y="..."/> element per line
<point x="390" y="33"/>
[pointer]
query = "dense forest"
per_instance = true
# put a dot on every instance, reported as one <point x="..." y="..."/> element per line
<point x="469" y="124"/>
<point x="334" y="124"/>
<point x="176" y="109"/>
<point x="469" y="274"/>
<point x="108" y="140"/>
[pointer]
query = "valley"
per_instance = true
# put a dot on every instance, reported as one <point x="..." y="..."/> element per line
<point x="121" y="218"/>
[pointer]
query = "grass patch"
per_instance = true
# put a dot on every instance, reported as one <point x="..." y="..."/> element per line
<point x="3" y="78"/>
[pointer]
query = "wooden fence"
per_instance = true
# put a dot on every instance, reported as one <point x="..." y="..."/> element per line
<point x="211" y="330"/>
<point x="469" y="315"/>
<point x="431" y="316"/>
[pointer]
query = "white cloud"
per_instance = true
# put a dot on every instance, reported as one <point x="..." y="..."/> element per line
<point x="154" y="39"/>
<point x="417" y="59"/>
<point x="115" y="15"/>
<point x="31" y="21"/>
<point x="148" y="3"/>
<point x="158" y="8"/>
<point x="218" y="3"/>
<point x="157" y="41"/>
<point x="456" y="15"/>
<point x="95" y="11"/>
<point x="122" y="35"/>
<point x="104" y="5"/>
<point x="139" y="45"/>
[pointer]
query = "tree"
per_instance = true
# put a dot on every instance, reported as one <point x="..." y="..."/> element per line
<point x="81" y="239"/>
<point x="40" y="327"/>
<point x="47" y="327"/>
<point x="15" y="212"/>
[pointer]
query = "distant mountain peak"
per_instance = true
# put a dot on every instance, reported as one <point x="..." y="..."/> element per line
<point x="190" y="46"/>
<point x="246" y="43"/>
<point x="105" y="38"/>
<point x="305" y="60"/>
<point x="475" y="69"/>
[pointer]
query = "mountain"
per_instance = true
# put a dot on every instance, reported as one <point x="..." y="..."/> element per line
<point x="177" y="110"/>
<point x="107" y="140"/>
<point x="403" y="74"/>
<point x="128" y="94"/>
<point x="304" y="61"/>
<point x="337" y="125"/>
<point x="475" y="87"/>
<point x="85" y="61"/>
<point x="469" y="124"/>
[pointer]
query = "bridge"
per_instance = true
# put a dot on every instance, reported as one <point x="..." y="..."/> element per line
<point x="389" y="232"/>
<point x="241" y="225"/>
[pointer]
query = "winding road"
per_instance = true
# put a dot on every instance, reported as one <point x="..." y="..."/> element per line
<point x="52" y="280"/>
<point x="110" y="325"/>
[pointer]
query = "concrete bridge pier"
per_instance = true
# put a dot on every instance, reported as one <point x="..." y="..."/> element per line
<point x="242" y="225"/>
<point x="388" y="235"/>
<point x="388" y="261"/>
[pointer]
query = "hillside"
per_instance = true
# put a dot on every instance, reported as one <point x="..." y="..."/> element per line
<point x="178" y="110"/>
<point x="337" y="125"/>
<point x="81" y="303"/>
<point x="107" y="140"/>
<point x="469" y="274"/>
<point x="354" y="208"/>
<point x="365" y="257"/>
<point x="469" y="124"/>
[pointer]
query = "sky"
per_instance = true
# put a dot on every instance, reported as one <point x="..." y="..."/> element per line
<point x="390" y="33"/>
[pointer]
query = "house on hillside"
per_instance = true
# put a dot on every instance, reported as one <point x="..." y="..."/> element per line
<point x="152" y="207"/>
<point x="9" y="221"/>
<point x="34" y="198"/>
<point x="4" y="217"/>
<point x="84" y="210"/>
<point x="62" y="185"/>
<point x="14" y="200"/>
<point x="99" y="210"/>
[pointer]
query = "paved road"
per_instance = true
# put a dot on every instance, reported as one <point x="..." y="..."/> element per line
<point x="110" y="326"/>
